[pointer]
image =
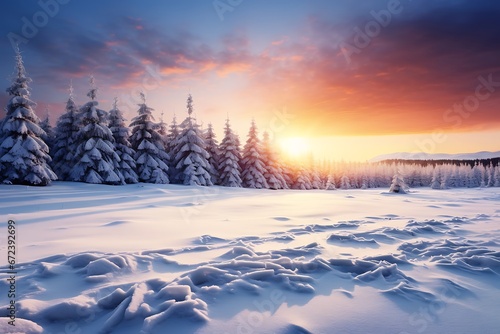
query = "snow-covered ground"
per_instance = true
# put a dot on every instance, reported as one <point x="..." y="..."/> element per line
<point x="174" y="259"/>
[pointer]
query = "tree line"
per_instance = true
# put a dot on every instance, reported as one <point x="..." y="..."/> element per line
<point x="91" y="145"/>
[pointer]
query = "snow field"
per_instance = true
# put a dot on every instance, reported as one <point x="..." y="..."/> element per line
<point x="174" y="259"/>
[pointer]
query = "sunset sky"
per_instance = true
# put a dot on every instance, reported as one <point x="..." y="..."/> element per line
<point x="353" y="79"/>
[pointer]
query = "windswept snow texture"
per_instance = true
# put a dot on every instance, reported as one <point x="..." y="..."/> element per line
<point x="150" y="258"/>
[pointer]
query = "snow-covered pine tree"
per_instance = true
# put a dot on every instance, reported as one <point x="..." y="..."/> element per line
<point x="490" y="175"/>
<point x="274" y="171"/>
<point x="162" y="130"/>
<point x="212" y="147"/>
<point x="191" y="159"/>
<point x="251" y="163"/>
<point x="477" y="176"/>
<point x="398" y="185"/>
<point x="172" y="137"/>
<point x="330" y="183"/>
<point x="464" y="175"/>
<point x="230" y="156"/>
<point x="473" y="177"/>
<point x="67" y="127"/>
<point x="302" y="180"/>
<point x="365" y="184"/>
<point x="24" y="156"/>
<point x="316" y="182"/>
<point x="454" y="180"/>
<point x="436" y="178"/>
<point x="49" y="136"/>
<point x="173" y="133"/>
<point x="150" y="156"/>
<point x="95" y="158"/>
<point x="121" y="134"/>
<point x="288" y="174"/>
<point x="445" y="177"/>
<point x="345" y="182"/>
<point x="496" y="176"/>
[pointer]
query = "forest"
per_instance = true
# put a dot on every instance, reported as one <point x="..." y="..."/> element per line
<point x="91" y="145"/>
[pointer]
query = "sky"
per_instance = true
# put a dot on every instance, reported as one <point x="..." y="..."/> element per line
<point x="344" y="80"/>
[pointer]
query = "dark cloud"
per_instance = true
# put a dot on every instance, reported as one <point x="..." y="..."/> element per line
<point x="120" y="51"/>
<point x="427" y="59"/>
<point x="403" y="81"/>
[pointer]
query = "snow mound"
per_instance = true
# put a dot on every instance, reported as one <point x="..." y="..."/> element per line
<point x="71" y="309"/>
<point x="346" y="225"/>
<point x="385" y="271"/>
<point x="81" y="260"/>
<point x="351" y="238"/>
<point x="431" y="226"/>
<point x="370" y="270"/>
<point x="463" y="254"/>
<point x="100" y="267"/>
<point x="22" y="326"/>
<point x="208" y="240"/>
<point x="403" y="290"/>
<point x="294" y="329"/>
<point x="152" y="302"/>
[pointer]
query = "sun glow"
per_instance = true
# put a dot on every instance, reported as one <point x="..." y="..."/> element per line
<point x="295" y="148"/>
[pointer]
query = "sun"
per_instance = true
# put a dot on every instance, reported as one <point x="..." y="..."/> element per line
<point x="295" y="148"/>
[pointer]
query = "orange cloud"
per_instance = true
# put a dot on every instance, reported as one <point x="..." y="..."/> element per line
<point x="208" y="66"/>
<point x="227" y="69"/>
<point x="174" y="70"/>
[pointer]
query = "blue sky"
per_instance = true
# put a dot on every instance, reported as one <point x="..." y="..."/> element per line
<point x="269" y="58"/>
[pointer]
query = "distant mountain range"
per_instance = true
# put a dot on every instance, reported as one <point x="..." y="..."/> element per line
<point x="436" y="156"/>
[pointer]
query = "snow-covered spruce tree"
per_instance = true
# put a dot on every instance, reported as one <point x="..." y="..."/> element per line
<point x="497" y="176"/>
<point x="24" y="156"/>
<point x="365" y="184"/>
<point x="95" y="158"/>
<point x="345" y="183"/>
<point x="173" y="133"/>
<point x="330" y="183"/>
<point x="162" y="130"/>
<point x="121" y="134"/>
<point x="452" y="176"/>
<point x="191" y="159"/>
<point x="302" y="180"/>
<point x="150" y="156"/>
<point x="274" y="171"/>
<point x="172" y="137"/>
<point x="212" y="147"/>
<point x="288" y="174"/>
<point x="436" y="178"/>
<point x="251" y="163"/>
<point x="64" y="148"/>
<point x="229" y="168"/>
<point x="445" y="179"/>
<point x="464" y="175"/>
<point x="490" y="175"/>
<point x="476" y="176"/>
<point x="398" y="185"/>
<point x="315" y="177"/>
<point x="48" y="138"/>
